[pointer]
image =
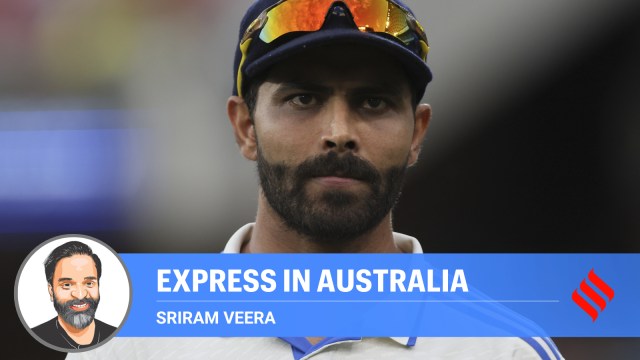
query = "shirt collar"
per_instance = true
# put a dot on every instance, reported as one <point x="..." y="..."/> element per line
<point x="302" y="348"/>
<point x="407" y="244"/>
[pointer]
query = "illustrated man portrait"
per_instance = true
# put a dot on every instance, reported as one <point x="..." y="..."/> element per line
<point x="73" y="274"/>
<point x="327" y="102"/>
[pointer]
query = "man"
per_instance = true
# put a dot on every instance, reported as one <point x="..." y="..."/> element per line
<point x="73" y="273"/>
<point x="326" y="101"/>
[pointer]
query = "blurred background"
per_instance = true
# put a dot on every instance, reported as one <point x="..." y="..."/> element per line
<point x="113" y="125"/>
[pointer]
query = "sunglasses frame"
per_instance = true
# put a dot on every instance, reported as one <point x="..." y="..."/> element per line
<point x="258" y="24"/>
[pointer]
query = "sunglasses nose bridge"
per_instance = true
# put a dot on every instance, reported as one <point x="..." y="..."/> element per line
<point x="338" y="8"/>
<point x="339" y="15"/>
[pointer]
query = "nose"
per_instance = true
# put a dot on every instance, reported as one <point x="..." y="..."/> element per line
<point x="79" y="292"/>
<point x="341" y="133"/>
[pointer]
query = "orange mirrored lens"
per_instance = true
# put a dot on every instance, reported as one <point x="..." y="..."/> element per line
<point x="369" y="15"/>
<point x="294" y="15"/>
<point x="309" y="15"/>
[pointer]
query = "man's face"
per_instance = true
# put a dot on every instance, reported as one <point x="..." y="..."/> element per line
<point x="75" y="290"/>
<point x="334" y="128"/>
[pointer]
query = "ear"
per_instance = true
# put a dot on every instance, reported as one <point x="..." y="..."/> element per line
<point x="50" y="292"/>
<point x="243" y="127"/>
<point x="422" y="118"/>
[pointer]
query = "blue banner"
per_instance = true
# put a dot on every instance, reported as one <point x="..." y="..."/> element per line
<point x="560" y="295"/>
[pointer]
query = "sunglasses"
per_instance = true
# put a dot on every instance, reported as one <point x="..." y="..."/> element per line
<point x="378" y="16"/>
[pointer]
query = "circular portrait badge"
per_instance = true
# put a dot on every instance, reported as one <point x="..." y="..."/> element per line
<point x="73" y="293"/>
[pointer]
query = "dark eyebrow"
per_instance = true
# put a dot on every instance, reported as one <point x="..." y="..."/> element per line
<point x="70" y="279"/>
<point x="387" y="88"/>
<point x="391" y="89"/>
<point x="286" y="87"/>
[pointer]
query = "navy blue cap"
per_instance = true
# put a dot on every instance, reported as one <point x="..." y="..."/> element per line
<point x="260" y="56"/>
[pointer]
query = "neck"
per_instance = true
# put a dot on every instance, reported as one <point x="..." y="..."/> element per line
<point x="271" y="235"/>
<point x="80" y="336"/>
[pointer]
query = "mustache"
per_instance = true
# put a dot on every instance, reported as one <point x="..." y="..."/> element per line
<point x="348" y="166"/>
<point x="65" y="307"/>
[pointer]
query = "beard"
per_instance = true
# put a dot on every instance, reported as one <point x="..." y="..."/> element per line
<point x="77" y="319"/>
<point x="334" y="215"/>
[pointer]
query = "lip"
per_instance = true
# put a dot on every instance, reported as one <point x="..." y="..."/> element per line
<point x="336" y="181"/>
<point x="82" y="307"/>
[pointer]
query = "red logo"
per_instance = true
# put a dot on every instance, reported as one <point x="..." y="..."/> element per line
<point x="593" y="295"/>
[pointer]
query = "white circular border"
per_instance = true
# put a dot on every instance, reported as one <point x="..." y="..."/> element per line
<point x="32" y="297"/>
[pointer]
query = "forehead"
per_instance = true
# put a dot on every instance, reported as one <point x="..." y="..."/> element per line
<point x="75" y="266"/>
<point x="347" y="63"/>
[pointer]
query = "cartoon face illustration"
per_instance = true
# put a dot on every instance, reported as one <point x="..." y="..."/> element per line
<point x="73" y="273"/>
<point x="75" y="290"/>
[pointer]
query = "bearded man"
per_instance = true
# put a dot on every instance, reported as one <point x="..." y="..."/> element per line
<point x="73" y="275"/>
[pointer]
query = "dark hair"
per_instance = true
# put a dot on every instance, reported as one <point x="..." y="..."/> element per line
<point x="251" y="95"/>
<point x="67" y="250"/>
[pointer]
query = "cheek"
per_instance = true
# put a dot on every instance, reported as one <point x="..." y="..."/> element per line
<point x="62" y="295"/>
<point x="288" y="144"/>
<point x="94" y="293"/>
<point x="389" y="143"/>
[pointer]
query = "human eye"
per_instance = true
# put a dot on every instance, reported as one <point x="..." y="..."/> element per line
<point x="302" y="100"/>
<point x="65" y="286"/>
<point x="375" y="104"/>
<point x="90" y="283"/>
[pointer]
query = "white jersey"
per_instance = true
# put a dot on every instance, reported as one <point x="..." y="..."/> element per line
<point x="297" y="348"/>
